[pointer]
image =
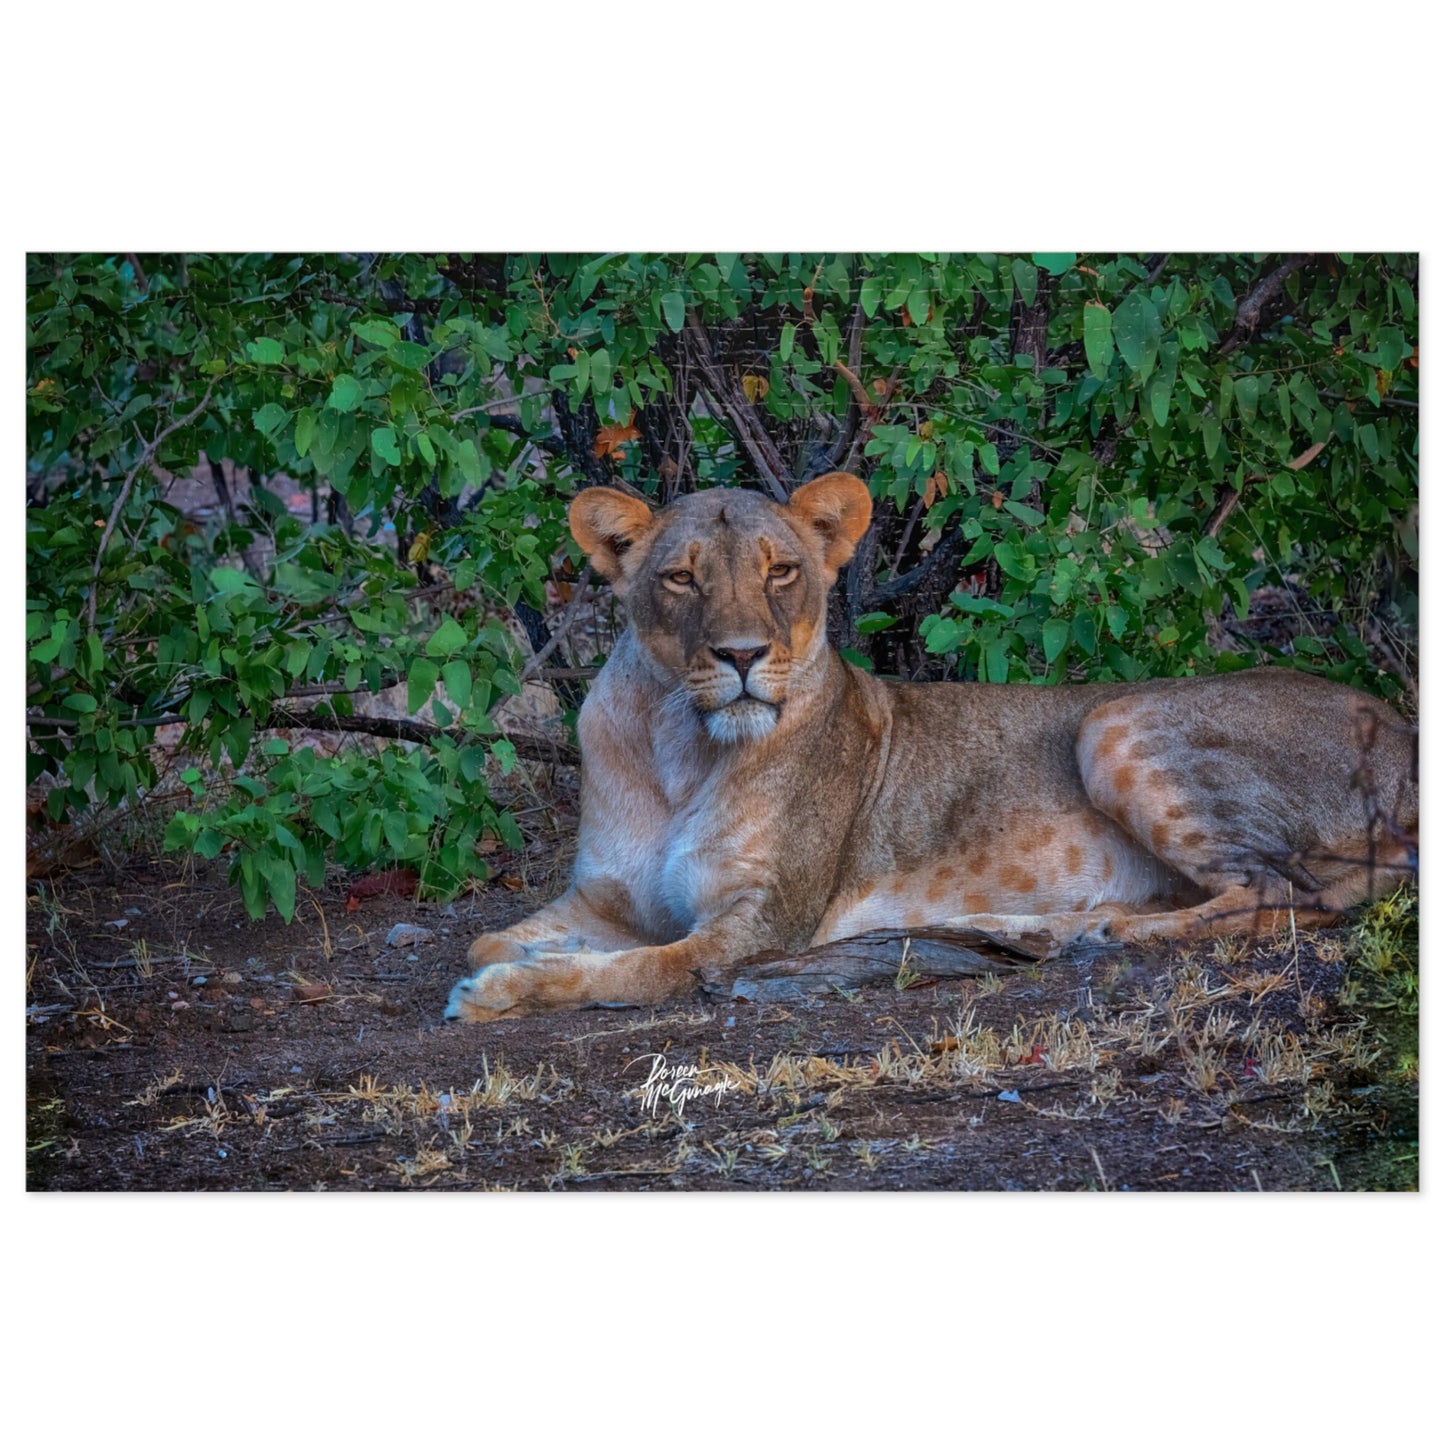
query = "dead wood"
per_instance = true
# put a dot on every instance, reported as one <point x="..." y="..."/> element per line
<point x="876" y="957"/>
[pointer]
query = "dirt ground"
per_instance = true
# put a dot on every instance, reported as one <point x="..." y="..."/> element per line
<point x="174" y="1044"/>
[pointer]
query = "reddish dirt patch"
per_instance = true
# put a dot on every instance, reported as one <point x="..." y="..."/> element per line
<point x="195" y="1049"/>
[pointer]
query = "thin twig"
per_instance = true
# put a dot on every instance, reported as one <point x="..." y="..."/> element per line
<point x="124" y="496"/>
<point x="560" y="627"/>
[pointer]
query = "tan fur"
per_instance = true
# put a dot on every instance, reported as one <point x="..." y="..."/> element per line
<point x="746" y="790"/>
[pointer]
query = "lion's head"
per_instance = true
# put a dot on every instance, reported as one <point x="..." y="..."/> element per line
<point x="727" y="591"/>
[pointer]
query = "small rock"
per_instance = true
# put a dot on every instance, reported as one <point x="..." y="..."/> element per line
<point x="178" y="1005"/>
<point x="408" y="935"/>
<point x="199" y="980"/>
<point x="240" y="1023"/>
<point x="1010" y="1096"/>
<point x="311" y="992"/>
<point x="134" y="912"/>
<point x="117" y="923"/>
<point x="295" y="1068"/>
<point x="413" y="958"/>
<point x="232" y="978"/>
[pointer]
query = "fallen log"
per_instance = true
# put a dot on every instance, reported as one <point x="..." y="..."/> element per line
<point x="883" y="956"/>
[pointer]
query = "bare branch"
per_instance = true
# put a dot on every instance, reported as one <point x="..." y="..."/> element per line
<point x="1247" y="314"/>
<point x="144" y="460"/>
<point x="581" y="595"/>
<point x="528" y="745"/>
<point x="410" y="730"/>
<point x="739" y="411"/>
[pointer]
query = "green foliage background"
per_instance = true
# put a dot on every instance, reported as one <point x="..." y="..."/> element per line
<point x="1081" y="463"/>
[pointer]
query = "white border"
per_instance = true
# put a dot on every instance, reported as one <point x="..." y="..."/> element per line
<point x="297" y="126"/>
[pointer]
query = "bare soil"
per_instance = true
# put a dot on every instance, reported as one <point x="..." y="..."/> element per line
<point x="194" y="1049"/>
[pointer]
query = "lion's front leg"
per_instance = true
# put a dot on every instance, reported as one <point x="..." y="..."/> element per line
<point x="568" y="927"/>
<point x="544" y="982"/>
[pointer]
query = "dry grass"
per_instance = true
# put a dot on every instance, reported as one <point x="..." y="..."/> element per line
<point x="1101" y="1065"/>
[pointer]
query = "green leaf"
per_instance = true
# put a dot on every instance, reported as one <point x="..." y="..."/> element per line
<point x="377" y="332"/>
<point x="870" y="293"/>
<point x="601" y="373"/>
<point x="873" y="622"/>
<point x="383" y="443"/>
<point x="1098" y="338"/>
<point x="1054" y="262"/>
<point x="345" y="393"/>
<point x="449" y="637"/>
<point x="1055" y="638"/>
<point x="785" y="342"/>
<point x="1030" y="516"/>
<point x="323" y="815"/>
<point x="674" y="309"/>
<point x="505" y="753"/>
<point x="1159" y="393"/>
<point x="280" y="875"/>
<point x="410" y="355"/>
<point x="394" y="829"/>
<point x="421" y="678"/>
<point x="1209" y="432"/>
<point x="1246" y="396"/>
<point x="1136" y="331"/>
<point x="305" y="430"/>
<point x="457" y="677"/>
<point x="268" y="418"/>
<point x="469" y="462"/>
<point x="231" y="581"/>
<point x="1015" y="561"/>
<point x="266" y="351"/>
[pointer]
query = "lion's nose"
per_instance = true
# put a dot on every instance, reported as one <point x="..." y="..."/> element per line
<point x="741" y="658"/>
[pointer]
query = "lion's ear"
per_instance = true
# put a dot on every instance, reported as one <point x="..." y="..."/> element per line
<point x="605" y="524"/>
<point x="839" y="508"/>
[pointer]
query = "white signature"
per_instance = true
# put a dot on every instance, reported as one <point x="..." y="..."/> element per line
<point x="676" y="1084"/>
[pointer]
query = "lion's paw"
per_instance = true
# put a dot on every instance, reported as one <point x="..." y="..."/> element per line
<point x="498" y="991"/>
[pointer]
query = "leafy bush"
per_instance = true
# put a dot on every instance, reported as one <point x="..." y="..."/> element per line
<point x="1085" y="465"/>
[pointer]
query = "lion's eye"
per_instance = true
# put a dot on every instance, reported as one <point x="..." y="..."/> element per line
<point x="782" y="572"/>
<point x="681" y="580"/>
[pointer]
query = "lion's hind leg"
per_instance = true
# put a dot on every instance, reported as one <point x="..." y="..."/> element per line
<point x="1262" y="841"/>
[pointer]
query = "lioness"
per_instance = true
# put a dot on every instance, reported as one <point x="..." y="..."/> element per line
<point x="744" y="789"/>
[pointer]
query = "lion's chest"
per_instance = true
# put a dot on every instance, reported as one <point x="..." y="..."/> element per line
<point x="703" y="862"/>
